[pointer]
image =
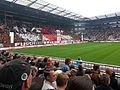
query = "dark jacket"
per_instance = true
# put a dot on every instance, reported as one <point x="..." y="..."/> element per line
<point x="103" y="87"/>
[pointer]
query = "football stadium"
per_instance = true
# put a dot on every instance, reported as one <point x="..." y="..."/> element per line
<point x="59" y="45"/>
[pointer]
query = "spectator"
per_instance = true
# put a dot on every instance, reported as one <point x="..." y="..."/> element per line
<point x="80" y="71"/>
<point x="113" y="81"/>
<point x="78" y="62"/>
<point x="56" y="65"/>
<point x="50" y="79"/>
<point x="34" y="71"/>
<point x="73" y="73"/>
<point x="109" y="71"/>
<point x="15" y="75"/>
<point x="66" y="66"/>
<point x="2" y="61"/>
<point x="80" y="83"/>
<point x="96" y="77"/>
<point x="88" y="73"/>
<point x="96" y="67"/>
<point x="62" y="80"/>
<point x="105" y="81"/>
<point x="37" y="83"/>
<point x="72" y="67"/>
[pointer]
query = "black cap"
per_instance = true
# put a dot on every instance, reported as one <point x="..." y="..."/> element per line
<point x="13" y="74"/>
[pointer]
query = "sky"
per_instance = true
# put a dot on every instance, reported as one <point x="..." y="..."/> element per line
<point x="88" y="8"/>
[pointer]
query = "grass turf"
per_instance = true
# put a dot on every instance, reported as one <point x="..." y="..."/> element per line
<point x="108" y="53"/>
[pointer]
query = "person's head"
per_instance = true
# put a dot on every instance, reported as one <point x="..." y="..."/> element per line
<point x="96" y="74"/>
<point x="72" y="66"/>
<point x="96" y="67"/>
<point x="50" y="75"/>
<point x="109" y="71"/>
<point x="49" y="63"/>
<point x="2" y="52"/>
<point x="80" y="67"/>
<point x="80" y="83"/>
<point x="2" y="61"/>
<point x="45" y="59"/>
<point x="15" y="75"/>
<point x="67" y="61"/>
<point x="56" y="64"/>
<point x="113" y="75"/>
<point x="62" y="80"/>
<point x="15" y="56"/>
<point x="73" y="72"/>
<point x="105" y="79"/>
<point x="34" y="71"/>
<point x="89" y="72"/>
<point x="6" y="54"/>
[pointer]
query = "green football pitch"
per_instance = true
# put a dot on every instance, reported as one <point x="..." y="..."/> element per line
<point x="107" y="53"/>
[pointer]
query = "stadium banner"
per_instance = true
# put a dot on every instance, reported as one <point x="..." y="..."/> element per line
<point x="58" y="36"/>
<point x="11" y="37"/>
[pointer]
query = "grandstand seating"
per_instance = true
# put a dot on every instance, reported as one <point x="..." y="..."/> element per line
<point x="18" y="39"/>
<point x="102" y="35"/>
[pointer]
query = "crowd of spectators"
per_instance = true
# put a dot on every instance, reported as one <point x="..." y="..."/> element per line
<point x="26" y="32"/>
<point x="26" y="72"/>
<point x="102" y="34"/>
<point x="23" y="32"/>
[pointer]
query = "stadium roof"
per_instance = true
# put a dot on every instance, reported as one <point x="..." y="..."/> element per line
<point x="105" y="16"/>
<point x="48" y="7"/>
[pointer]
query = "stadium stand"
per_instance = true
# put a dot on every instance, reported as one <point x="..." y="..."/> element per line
<point x="37" y="26"/>
<point x="33" y="24"/>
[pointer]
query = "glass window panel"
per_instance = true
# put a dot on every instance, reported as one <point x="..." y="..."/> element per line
<point x="36" y="6"/>
<point x="62" y="14"/>
<point x="55" y="11"/>
<point x="46" y="9"/>
<point x="31" y="0"/>
<point x="9" y="0"/>
<point x="41" y="2"/>
<point x="70" y="15"/>
<point x="52" y="6"/>
<point x="23" y="2"/>
<point x="60" y="9"/>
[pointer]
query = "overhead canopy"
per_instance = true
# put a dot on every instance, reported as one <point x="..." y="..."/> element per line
<point x="45" y="6"/>
<point x="105" y="16"/>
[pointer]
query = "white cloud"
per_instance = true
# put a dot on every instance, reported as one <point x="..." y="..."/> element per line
<point x="89" y="8"/>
